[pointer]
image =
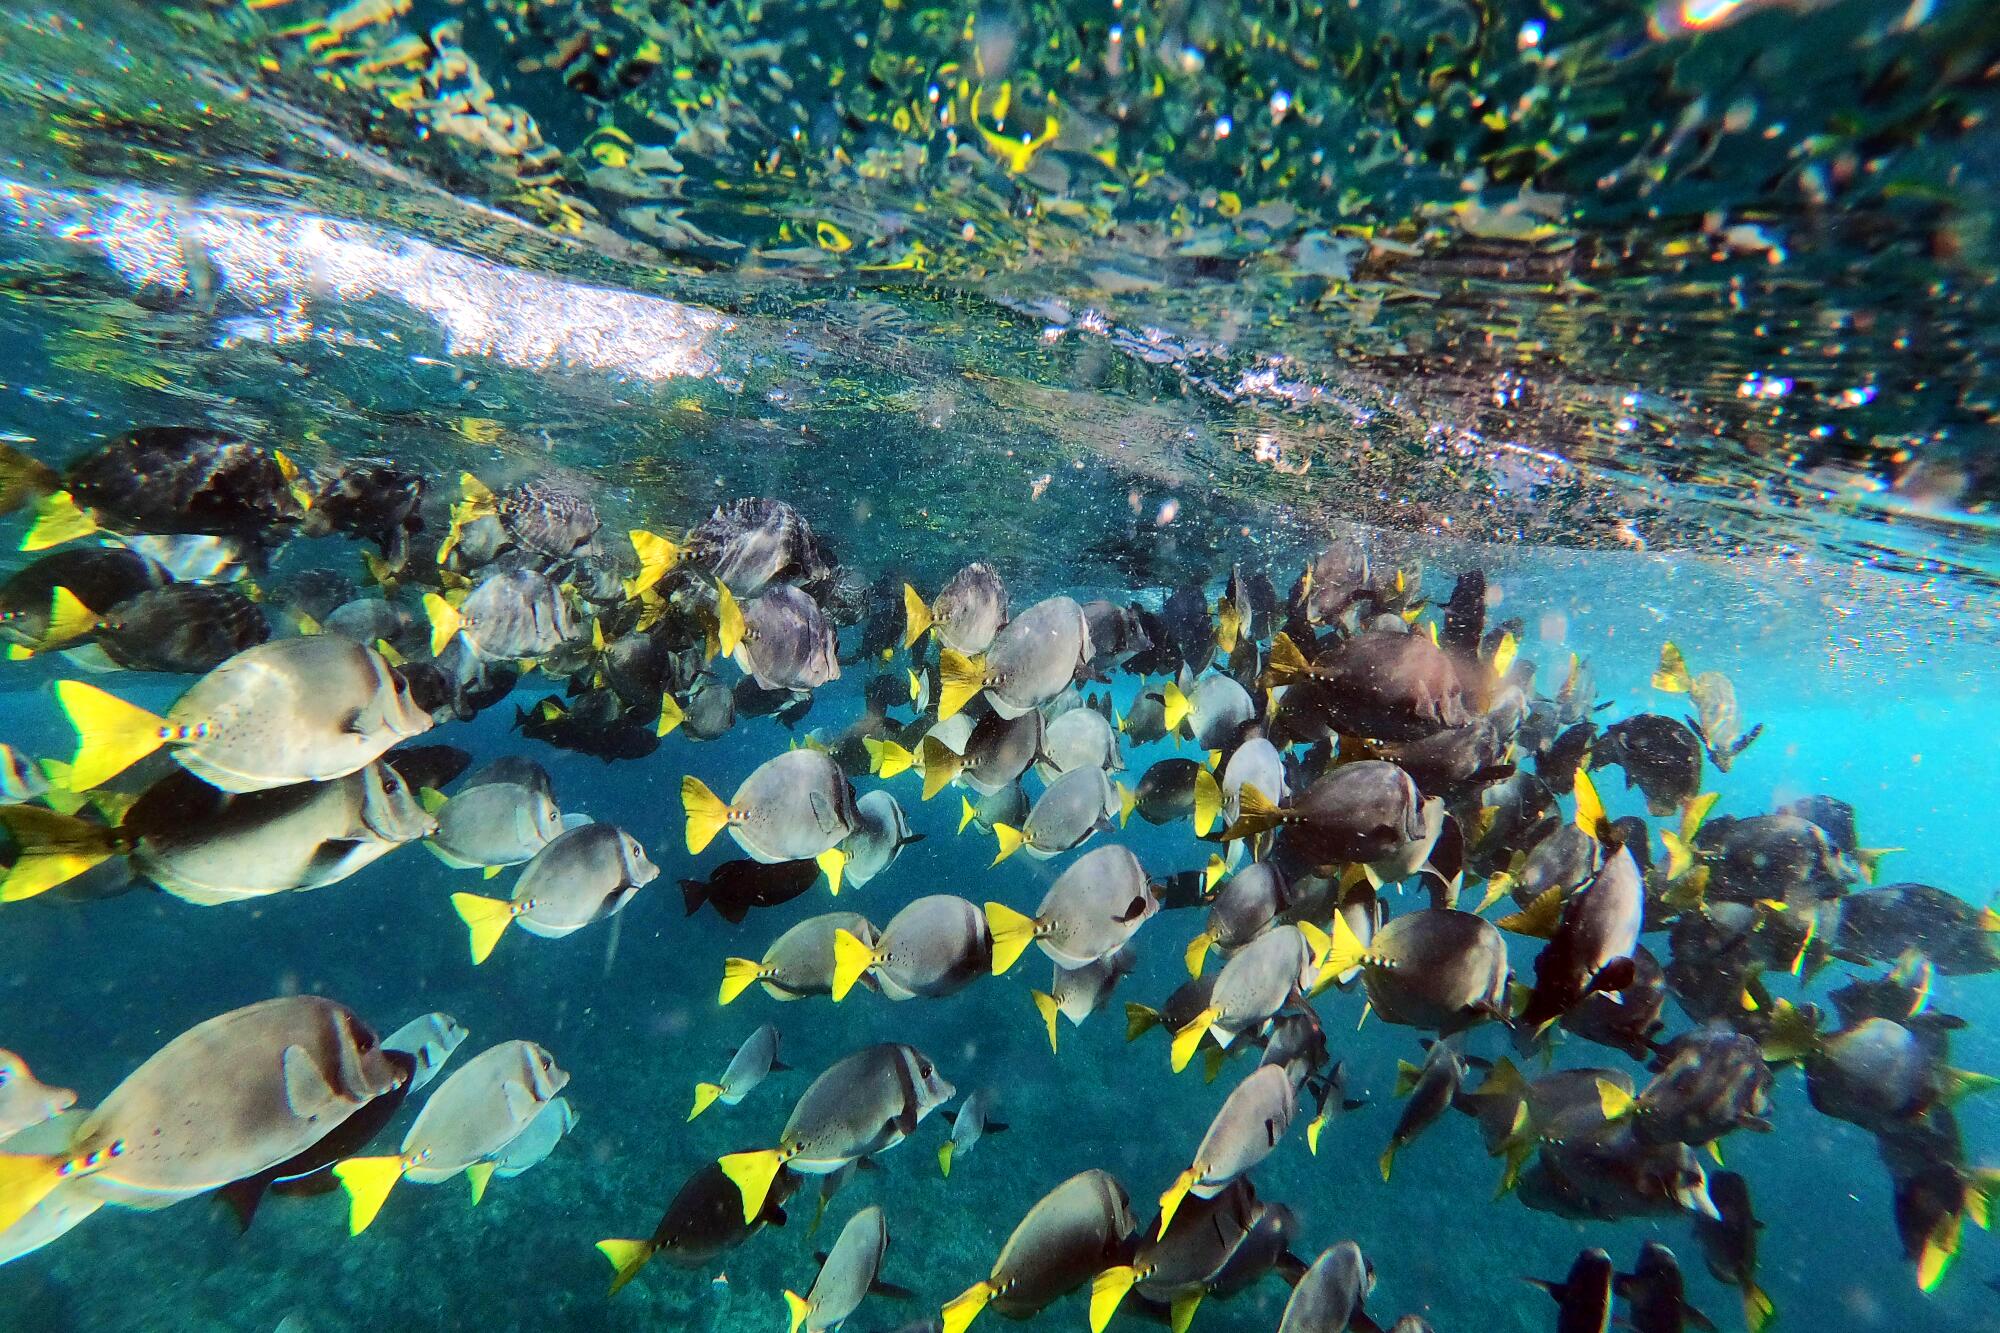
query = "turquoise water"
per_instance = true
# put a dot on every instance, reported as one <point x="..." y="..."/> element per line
<point x="1732" y="387"/>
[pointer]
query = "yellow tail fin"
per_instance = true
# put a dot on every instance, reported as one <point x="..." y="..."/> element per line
<point x="445" y="620"/>
<point x="959" y="678"/>
<point x="671" y="716"/>
<point x="966" y="811"/>
<point x="112" y="735"/>
<point x="1128" y="801"/>
<point x="753" y="1173"/>
<point x="1010" y="841"/>
<point x="1288" y="665"/>
<point x="1207" y="801"/>
<point x="799" y="1309"/>
<point x="1181" y="1313"/>
<point x="707" y="813"/>
<point x="368" y="1181"/>
<point x="961" y="1310"/>
<point x="1196" y="956"/>
<point x="627" y="1257"/>
<point x="1139" y="1019"/>
<point x="1386" y="1163"/>
<point x="941" y="765"/>
<point x="1539" y="918"/>
<point x="887" y="758"/>
<point x="1189" y="1037"/>
<point x="479" y="1175"/>
<point x="1170" y="1201"/>
<point x="1046" y="1006"/>
<point x="1614" y="1101"/>
<point x="656" y="555"/>
<point x="1672" y="675"/>
<point x="69" y="618"/>
<point x="1589" y="809"/>
<point x="1255" y="813"/>
<point x="1107" y="1292"/>
<point x="1176" y="707"/>
<point x="55" y="848"/>
<point x="704" y="1097"/>
<point x="851" y="961"/>
<point x="1758" y="1310"/>
<point x="58" y="519"/>
<point x="1344" y="949"/>
<point x="1012" y="934"/>
<point x="24" y="1182"/>
<point x="918" y="614"/>
<point x="486" y="918"/>
<point x="1505" y="653"/>
<point x="728" y="620"/>
<point x="737" y="976"/>
<point x="1680" y="857"/>
<point x="832" y="862"/>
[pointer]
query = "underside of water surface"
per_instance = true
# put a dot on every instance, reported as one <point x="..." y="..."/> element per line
<point x="1630" y="324"/>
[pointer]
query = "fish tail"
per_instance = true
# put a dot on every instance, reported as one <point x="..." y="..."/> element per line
<point x="112" y="735"/>
<point x="1288" y="666"/>
<point x="1045" y="1004"/>
<point x="1589" y="806"/>
<point x="486" y="918"/>
<point x="707" y="813"/>
<point x="941" y="765"/>
<point x="959" y="678"/>
<point x="752" y="1173"/>
<point x="1170" y="1201"/>
<point x="1010" y="841"/>
<point x="798" y="1307"/>
<point x="58" y="519"/>
<point x="1343" y="950"/>
<point x="918" y="615"/>
<point x="21" y="477"/>
<point x="445" y="620"/>
<point x="671" y="716"/>
<point x="54" y="849"/>
<point x="962" y="1309"/>
<point x="728" y="620"/>
<point x="1758" y="1311"/>
<point x="1962" y="1083"/>
<point x="1177" y="707"/>
<point x="1539" y="918"/>
<point x="704" y="1097"/>
<point x="1672" y="675"/>
<point x="69" y="618"/>
<point x="1505" y="652"/>
<point x="1012" y="932"/>
<point x="1139" y="1019"/>
<point x="1387" y="1161"/>
<point x="25" y="1180"/>
<point x="967" y="812"/>
<point x="1207" y="801"/>
<point x="737" y="976"/>
<point x="627" y="1257"/>
<point x="1128" y="801"/>
<point x="656" y="555"/>
<point x="1196" y="956"/>
<point x="1255" y="812"/>
<point x="1107" y="1291"/>
<point x="1189" y="1037"/>
<point x="832" y="862"/>
<point x="944" y="1153"/>
<point x="368" y="1181"/>
<point x="1680" y="857"/>
<point x="851" y="960"/>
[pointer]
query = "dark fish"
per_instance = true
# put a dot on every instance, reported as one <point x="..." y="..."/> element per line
<point x="590" y="724"/>
<point x="1886" y="923"/>
<point x="1330" y="1294"/>
<point x="187" y="628"/>
<point x="1659" y="755"/>
<point x="704" y="1220"/>
<point x="1386" y="685"/>
<point x="1583" y="1299"/>
<point x="1710" y="1081"/>
<point x="1430" y="1091"/>
<point x="185" y="479"/>
<point x="1657" y="1294"/>
<point x="372" y="499"/>
<point x="1358" y="812"/>
<point x="749" y="543"/>
<point x="1729" y="1244"/>
<point x="100" y="577"/>
<point x="1625" y="1021"/>
<point x="1591" y="948"/>
<point x="547" y="517"/>
<point x="1558" y="762"/>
